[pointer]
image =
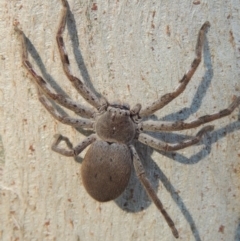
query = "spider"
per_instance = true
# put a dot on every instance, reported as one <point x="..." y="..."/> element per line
<point x="107" y="165"/>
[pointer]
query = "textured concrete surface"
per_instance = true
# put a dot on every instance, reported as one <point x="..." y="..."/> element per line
<point x="134" y="51"/>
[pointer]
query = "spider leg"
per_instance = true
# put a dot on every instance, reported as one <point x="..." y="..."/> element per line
<point x="150" y="191"/>
<point x="163" y="146"/>
<point x="165" y="99"/>
<point x="72" y="151"/>
<point x="85" y="92"/>
<point x="46" y="88"/>
<point x="65" y="119"/>
<point x="151" y="125"/>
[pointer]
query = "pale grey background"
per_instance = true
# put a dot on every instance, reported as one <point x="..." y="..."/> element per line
<point x="133" y="51"/>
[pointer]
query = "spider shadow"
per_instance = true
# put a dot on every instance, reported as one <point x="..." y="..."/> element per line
<point x="237" y="233"/>
<point x="135" y="199"/>
<point x="186" y="112"/>
<point x="212" y="137"/>
<point x="132" y="202"/>
<point x="72" y="29"/>
<point x="136" y="202"/>
<point x="37" y="59"/>
<point x="73" y="33"/>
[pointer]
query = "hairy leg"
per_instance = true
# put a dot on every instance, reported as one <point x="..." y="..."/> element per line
<point x="65" y="119"/>
<point x="151" y="125"/>
<point x="165" y="99"/>
<point x="85" y="92"/>
<point x="150" y="191"/>
<point x="46" y="88"/>
<point x="71" y="151"/>
<point x="163" y="146"/>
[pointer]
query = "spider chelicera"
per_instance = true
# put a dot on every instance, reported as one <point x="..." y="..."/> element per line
<point x="106" y="167"/>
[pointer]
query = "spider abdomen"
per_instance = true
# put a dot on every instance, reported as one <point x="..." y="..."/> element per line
<point x="106" y="170"/>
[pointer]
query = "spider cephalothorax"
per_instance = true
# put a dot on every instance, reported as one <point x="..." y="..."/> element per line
<point x="107" y="164"/>
<point x="116" y="124"/>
